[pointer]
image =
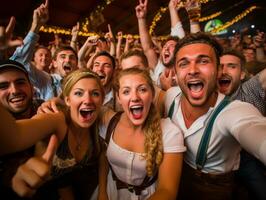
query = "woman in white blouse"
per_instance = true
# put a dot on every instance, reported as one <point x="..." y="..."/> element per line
<point x="144" y="152"/>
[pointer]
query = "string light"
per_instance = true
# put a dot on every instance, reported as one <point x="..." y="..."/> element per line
<point x="162" y="10"/>
<point x="156" y="19"/>
<point x="235" y="20"/>
<point x="84" y="29"/>
<point x="207" y="18"/>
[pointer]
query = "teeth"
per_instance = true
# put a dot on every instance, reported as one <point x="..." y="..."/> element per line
<point x="135" y="107"/>
<point x="86" y="109"/>
<point x="16" y="99"/>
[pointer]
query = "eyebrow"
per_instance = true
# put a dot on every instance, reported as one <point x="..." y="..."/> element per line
<point x="199" y="56"/>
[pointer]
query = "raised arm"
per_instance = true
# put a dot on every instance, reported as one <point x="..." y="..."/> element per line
<point x="111" y="39"/>
<point x="5" y="37"/>
<point x="129" y="41"/>
<point x="87" y="46"/>
<point x="176" y="25"/>
<point x="193" y="8"/>
<point x="259" y="40"/>
<point x="145" y="38"/>
<point x="74" y="38"/>
<point x="119" y="44"/>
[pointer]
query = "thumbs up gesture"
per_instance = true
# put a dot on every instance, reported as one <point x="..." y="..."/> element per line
<point x="32" y="174"/>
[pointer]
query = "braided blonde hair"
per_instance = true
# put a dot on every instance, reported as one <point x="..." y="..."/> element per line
<point x="152" y="127"/>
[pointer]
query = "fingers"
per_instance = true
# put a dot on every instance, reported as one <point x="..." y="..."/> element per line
<point x="30" y="176"/>
<point x="22" y="188"/>
<point x="15" y="43"/>
<point x="10" y="27"/>
<point x="109" y="28"/>
<point x="46" y="4"/>
<point x="48" y="107"/>
<point x="51" y="149"/>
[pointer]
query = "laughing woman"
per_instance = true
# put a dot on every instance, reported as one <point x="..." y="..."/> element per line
<point x="75" y="162"/>
<point x="144" y="152"/>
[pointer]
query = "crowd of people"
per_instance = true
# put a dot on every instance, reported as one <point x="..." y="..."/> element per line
<point x="182" y="118"/>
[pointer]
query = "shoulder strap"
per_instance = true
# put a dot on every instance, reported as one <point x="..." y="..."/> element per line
<point x="112" y="124"/>
<point x="171" y="110"/>
<point x="204" y="143"/>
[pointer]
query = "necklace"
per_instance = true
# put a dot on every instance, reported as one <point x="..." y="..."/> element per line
<point x="78" y="139"/>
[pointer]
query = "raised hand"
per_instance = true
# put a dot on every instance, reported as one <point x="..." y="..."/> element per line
<point x="32" y="174"/>
<point x="259" y="39"/>
<point x="141" y="9"/>
<point x="74" y="32"/>
<point x="175" y="4"/>
<point x="50" y="106"/>
<point x="109" y="35"/>
<point x="40" y="16"/>
<point x="120" y="36"/>
<point x="5" y="36"/>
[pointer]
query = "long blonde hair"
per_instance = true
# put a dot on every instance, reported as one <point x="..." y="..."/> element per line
<point x="152" y="127"/>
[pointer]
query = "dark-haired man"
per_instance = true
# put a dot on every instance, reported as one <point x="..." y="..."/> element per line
<point x="64" y="59"/>
<point x="231" y="82"/>
<point x="16" y="96"/>
<point x="209" y="163"/>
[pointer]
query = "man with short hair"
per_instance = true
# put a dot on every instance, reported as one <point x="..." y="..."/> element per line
<point x="212" y="148"/>
<point x="231" y="82"/>
<point x="42" y="58"/>
<point x="104" y="65"/>
<point x="16" y="95"/>
<point x="64" y="60"/>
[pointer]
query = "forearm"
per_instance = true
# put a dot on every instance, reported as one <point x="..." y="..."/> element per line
<point x="145" y="37"/>
<point x="118" y="49"/>
<point x="112" y="49"/>
<point x="174" y="16"/>
<point x="24" y="53"/>
<point x="103" y="173"/>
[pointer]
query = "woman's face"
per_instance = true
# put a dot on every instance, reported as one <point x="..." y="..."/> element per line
<point x="135" y="96"/>
<point x="84" y="101"/>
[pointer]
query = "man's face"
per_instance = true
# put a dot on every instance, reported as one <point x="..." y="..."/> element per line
<point x="167" y="53"/>
<point x="249" y="54"/>
<point x="229" y="74"/>
<point x="196" y="71"/>
<point x="15" y="91"/>
<point x="65" y="62"/>
<point x="103" y="66"/>
<point x="42" y="59"/>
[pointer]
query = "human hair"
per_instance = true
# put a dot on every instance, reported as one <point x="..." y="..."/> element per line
<point x="174" y="38"/>
<point x="235" y="53"/>
<point x="106" y="54"/>
<point x="41" y="47"/>
<point x="68" y="84"/>
<point x="152" y="127"/>
<point x="201" y="38"/>
<point x="64" y="48"/>
<point x="135" y="52"/>
<point x="70" y="80"/>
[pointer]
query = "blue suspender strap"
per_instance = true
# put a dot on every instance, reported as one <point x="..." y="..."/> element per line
<point x="204" y="143"/>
